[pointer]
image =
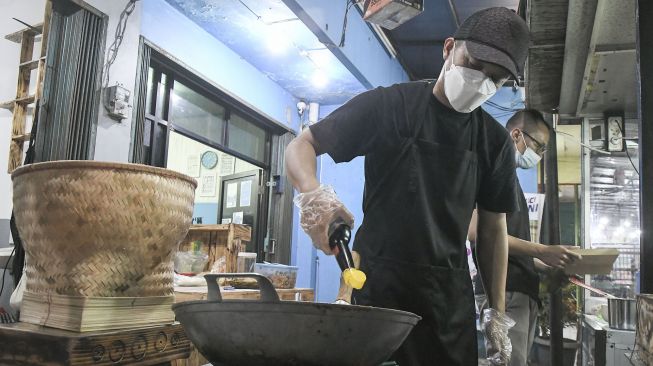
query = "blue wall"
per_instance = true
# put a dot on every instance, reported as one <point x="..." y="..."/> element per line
<point x="508" y="98"/>
<point x="207" y="211"/>
<point x="347" y="180"/>
<point x="186" y="41"/>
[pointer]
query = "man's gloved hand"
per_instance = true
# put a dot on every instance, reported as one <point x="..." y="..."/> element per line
<point x="495" y="328"/>
<point x="317" y="210"/>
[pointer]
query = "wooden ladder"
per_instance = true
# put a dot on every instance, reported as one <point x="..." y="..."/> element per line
<point x="20" y="106"/>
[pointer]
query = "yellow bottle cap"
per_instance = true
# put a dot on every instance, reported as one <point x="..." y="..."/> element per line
<point x="354" y="278"/>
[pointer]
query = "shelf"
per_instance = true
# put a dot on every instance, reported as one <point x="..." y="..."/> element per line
<point x="10" y="104"/>
<point x="17" y="37"/>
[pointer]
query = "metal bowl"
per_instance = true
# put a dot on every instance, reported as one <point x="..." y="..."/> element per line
<point x="272" y="332"/>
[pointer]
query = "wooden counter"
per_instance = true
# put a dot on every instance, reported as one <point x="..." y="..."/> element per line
<point x="199" y="293"/>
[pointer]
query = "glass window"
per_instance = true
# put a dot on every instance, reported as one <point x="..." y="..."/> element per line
<point x="614" y="212"/>
<point x="150" y="91"/>
<point x="246" y="138"/>
<point x="161" y="96"/>
<point x="196" y="113"/>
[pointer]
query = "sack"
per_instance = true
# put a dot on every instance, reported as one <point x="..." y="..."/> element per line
<point x="16" y="299"/>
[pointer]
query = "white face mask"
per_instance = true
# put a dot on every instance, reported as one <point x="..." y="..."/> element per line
<point x="467" y="88"/>
<point x="528" y="159"/>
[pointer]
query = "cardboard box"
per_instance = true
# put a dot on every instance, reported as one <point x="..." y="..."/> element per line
<point x="595" y="261"/>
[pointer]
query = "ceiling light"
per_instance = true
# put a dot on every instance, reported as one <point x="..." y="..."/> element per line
<point x="321" y="58"/>
<point x="277" y="42"/>
<point x="603" y="220"/>
<point x="627" y="223"/>
<point x="320" y="79"/>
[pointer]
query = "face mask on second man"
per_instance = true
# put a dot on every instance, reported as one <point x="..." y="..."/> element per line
<point x="528" y="159"/>
<point x="467" y="88"/>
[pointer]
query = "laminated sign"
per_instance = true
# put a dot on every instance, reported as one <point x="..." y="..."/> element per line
<point x="535" y="202"/>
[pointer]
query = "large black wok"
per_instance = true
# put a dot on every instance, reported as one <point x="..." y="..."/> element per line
<point x="271" y="332"/>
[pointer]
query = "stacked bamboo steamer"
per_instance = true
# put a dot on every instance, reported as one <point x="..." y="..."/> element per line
<point x="100" y="238"/>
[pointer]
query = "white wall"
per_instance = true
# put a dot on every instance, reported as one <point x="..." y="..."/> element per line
<point x="30" y="12"/>
<point x="113" y="138"/>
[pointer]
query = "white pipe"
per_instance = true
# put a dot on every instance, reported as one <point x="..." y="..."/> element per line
<point x="313" y="112"/>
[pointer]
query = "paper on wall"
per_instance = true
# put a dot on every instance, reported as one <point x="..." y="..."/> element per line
<point x="208" y="183"/>
<point x="245" y="193"/>
<point x="228" y="164"/>
<point x="193" y="165"/>
<point x="232" y="195"/>
<point x="238" y="217"/>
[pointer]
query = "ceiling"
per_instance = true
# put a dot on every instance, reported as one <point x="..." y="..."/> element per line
<point x="582" y="59"/>
<point x="270" y="37"/>
<point x="419" y="41"/>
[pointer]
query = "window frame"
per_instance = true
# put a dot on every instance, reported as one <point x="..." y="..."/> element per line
<point x="177" y="74"/>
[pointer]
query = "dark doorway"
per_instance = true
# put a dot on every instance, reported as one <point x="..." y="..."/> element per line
<point x="240" y="201"/>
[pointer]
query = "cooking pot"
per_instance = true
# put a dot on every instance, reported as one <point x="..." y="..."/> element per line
<point x="271" y="332"/>
<point x="622" y="313"/>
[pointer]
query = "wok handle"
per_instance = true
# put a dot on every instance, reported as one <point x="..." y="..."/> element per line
<point x="268" y="293"/>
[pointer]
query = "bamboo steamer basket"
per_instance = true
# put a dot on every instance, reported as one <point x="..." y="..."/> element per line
<point x="100" y="229"/>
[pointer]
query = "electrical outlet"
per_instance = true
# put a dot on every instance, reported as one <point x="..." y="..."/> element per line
<point x="116" y="101"/>
<point x="615" y="133"/>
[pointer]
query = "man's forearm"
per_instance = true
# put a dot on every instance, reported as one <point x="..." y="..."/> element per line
<point x="522" y="247"/>
<point x="301" y="163"/>
<point x="492" y="254"/>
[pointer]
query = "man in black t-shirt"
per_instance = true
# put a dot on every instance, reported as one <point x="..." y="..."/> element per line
<point x="431" y="156"/>
<point x="530" y="135"/>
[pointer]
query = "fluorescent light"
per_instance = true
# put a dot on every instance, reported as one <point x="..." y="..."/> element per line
<point x="320" y="79"/>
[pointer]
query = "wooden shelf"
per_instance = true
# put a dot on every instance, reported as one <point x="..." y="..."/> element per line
<point x="10" y="104"/>
<point x="30" y="65"/>
<point x="240" y="231"/>
<point x="218" y="241"/>
<point x="17" y="37"/>
<point x="23" y="137"/>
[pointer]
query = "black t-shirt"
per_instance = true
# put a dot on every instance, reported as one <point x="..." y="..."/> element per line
<point x="522" y="276"/>
<point x="375" y="123"/>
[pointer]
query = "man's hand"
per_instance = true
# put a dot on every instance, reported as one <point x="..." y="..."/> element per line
<point x="557" y="256"/>
<point x="495" y="326"/>
<point x="318" y="209"/>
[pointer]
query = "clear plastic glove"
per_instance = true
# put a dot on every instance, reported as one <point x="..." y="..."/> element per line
<point x="495" y="326"/>
<point x="341" y="302"/>
<point x="317" y="210"/>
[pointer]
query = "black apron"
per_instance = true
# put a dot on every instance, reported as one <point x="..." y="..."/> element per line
<point x="412" y="246"/>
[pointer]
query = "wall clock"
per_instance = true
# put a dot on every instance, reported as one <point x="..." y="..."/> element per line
<point x="209" y="159"/>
